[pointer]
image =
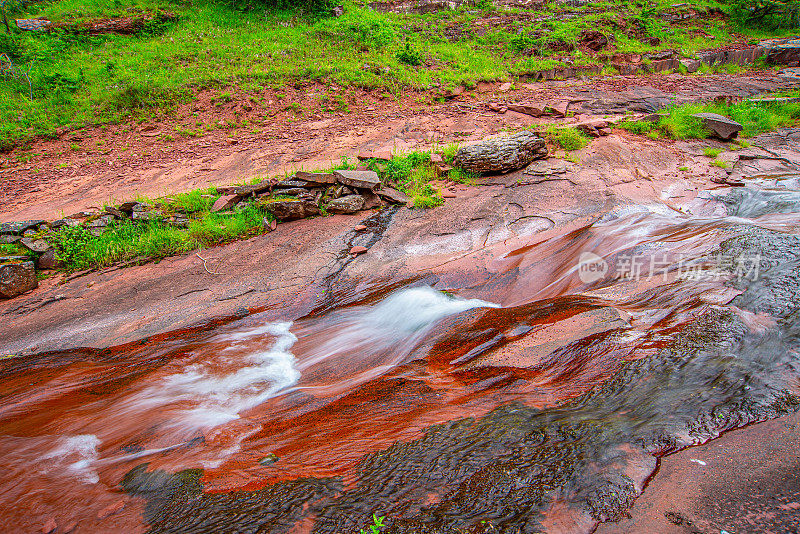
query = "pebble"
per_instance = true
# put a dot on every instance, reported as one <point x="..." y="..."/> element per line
<point x="358" y="250"/>
<point x="359" y="227"/>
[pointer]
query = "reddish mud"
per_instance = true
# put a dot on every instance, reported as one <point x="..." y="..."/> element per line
<point x="95" y="165"/>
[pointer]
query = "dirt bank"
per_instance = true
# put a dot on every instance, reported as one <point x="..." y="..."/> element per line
<point x="92" y="166"/>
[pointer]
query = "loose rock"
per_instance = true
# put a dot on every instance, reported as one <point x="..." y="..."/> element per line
<point x="691" y="65"/>
<point x="250" y="189"/>
<point x="288" y="210"/>
<point x="393" y="195"/>
<point x="35" y="245"/>
<point x="719" y="125"/>
<point x="16" y="228"/>
<point x="225" y="202"/>
<point x="534" y="109"/>
<point x="500" y="154"/>
<point x="358" y="250"/>
<point x="317" y="178"/>
<point x="48" y="260"/>
<point x="371" y="200"/>
<point x="360" y="179"/>
<point x="346" y="204"/>
<point x="17" y="278"/>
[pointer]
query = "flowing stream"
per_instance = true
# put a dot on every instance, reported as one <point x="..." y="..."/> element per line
<point x="537" y="399"/>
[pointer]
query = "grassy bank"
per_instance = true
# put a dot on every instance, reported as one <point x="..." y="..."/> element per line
<point x="124" y="240"/>
<point x="60" y="78"/>
<point x="755" y="117"/>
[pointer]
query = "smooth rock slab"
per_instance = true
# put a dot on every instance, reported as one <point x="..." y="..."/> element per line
<point x="360" y="179"/>
<point x="346" y="204"/>
<point x="289" y="210"/>
<point x="501" y="153"/>
<point x="17" y="278"/>
<point x="720" y="126"/>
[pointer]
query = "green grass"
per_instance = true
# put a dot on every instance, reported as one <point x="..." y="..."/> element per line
<point x="234" y="48"/>
<point x="719" y="163"/>
<point x="14" y="249"/>
<point x="77" y="248"/>
<point x="712" y="152"/>
<point x="411" y="174"/>
<point x="122" y="241"/>
<point x="755" y="117"/>
<point x="567" y="138"/>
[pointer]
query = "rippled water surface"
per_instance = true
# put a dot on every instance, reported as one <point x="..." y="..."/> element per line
<point x="538" y="398"/>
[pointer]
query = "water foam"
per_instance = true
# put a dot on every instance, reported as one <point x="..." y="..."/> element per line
<point x="392" y="325"/>
<point x="78" y="452"/>
<point x="219" y="398"/>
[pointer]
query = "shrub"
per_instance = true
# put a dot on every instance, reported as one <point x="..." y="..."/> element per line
<point x="769" y="14"/>
<point x="409" y="55"/>
<point x="567" y="138"/>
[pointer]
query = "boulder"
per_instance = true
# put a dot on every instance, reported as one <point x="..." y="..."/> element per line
<point x="691" y="65"/>
<point x="393" y="195"/>
<point x="225" y="202"/>
<point x="48" y="261"/>
<point x="16" y="228"/>
<point x="288" y="210"/>
<point x="360" y="179"/>
<point x="346" y="204"/>
<point x="501" y="153"/>
<point x="783" y="52"/>
<point x="720" y="126"/>
<point x="17" y="278"/>
<point x="8" y="239"/>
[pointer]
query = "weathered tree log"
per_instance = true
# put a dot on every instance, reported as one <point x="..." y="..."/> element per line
<point x="502" y="153"/>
